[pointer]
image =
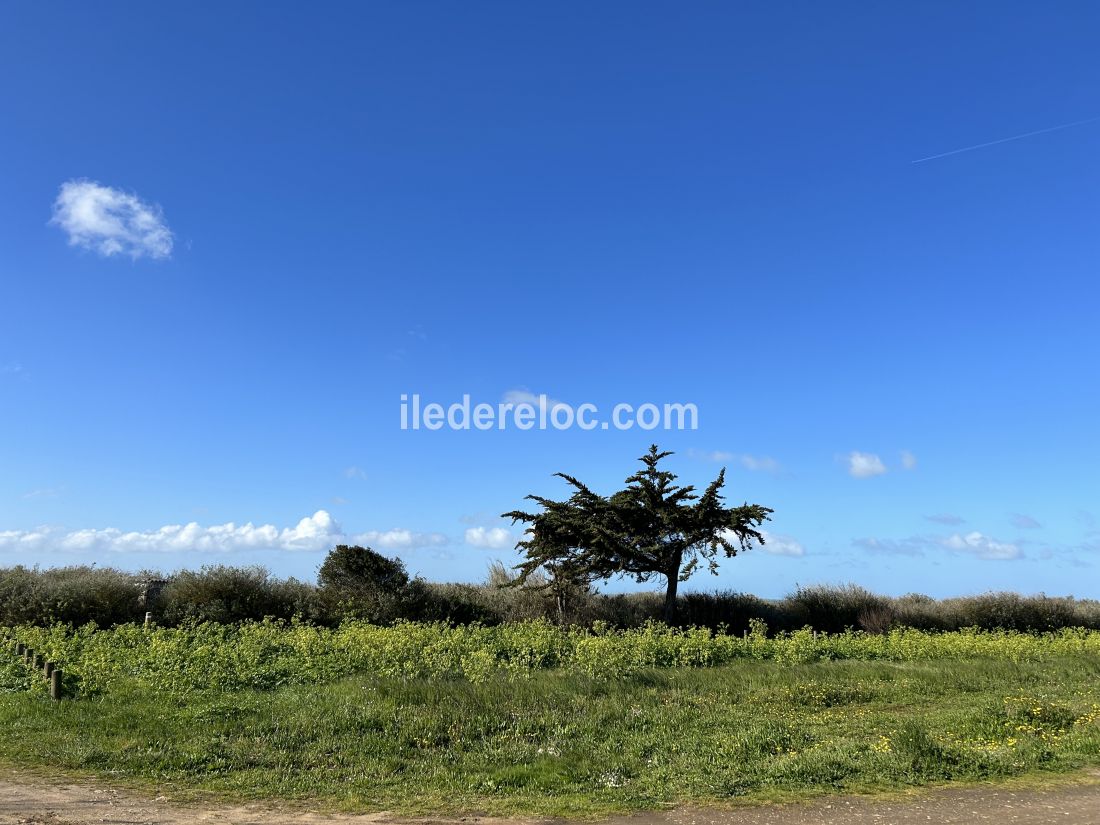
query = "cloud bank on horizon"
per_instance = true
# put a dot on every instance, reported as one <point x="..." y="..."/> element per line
<point x="111" y="222"/>
<point x="312" y="533"/>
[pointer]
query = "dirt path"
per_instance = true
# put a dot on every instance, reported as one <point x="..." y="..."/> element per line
<point x="26" y="799"/>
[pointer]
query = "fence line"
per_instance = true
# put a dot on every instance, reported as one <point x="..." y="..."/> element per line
<point x="34" y="661"/>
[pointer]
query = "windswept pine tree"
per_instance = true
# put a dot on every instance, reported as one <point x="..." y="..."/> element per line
<point x="651" y="528"/>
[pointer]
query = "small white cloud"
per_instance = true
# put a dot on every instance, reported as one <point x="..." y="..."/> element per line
<point x="946" y="518"/>
<point x="495" y="538"/>
<point x="981" y="546"/>
<point x="717" y="456"/>
<point x="864" y="465"/>
<point x="45" y="492"/>
<point x="400" y="539"/>
<point x="914" y="546"/>
<point x="762" y="464"/>
<point x="779" y="545"/>
<point x="1024" y="522"/>
<point x="110" y="221"/>
<point x="774" y="543"/>
<point x="908" y="460"/>
<point x="354" y="472"/>
<point x="540" y="401"/>
<point x="11" y="368"/>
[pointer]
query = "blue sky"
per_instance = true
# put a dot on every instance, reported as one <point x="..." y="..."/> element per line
<point x="638" y="202"/>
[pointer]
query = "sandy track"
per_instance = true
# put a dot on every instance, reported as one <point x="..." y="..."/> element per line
<point x="26" y="799"/>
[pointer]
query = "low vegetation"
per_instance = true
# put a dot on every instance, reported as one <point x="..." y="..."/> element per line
<point x="79" y="595"/>
<point x="533" y="718"/>
<point x="270" y="654"/>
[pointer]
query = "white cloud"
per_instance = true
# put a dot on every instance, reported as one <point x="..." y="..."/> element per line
<point x="774" y="543"/>
<point x="755" y="463"/>
<point x="946" y="518"/>
<point x="496" y="538"/>
<point x="908" y="460"/>
<point x="973" y="543"/>
<point x="981" y="546"/>
<point x="763" y="464"/>
<point x="537" y="400"/>
<point x="110" y="221"/>
<point x="400" y="539"/>
<point x="1024" y="522"/>
<point x="12" y="368"/>
<point x="45" y="492"/>
<point x="779" y="545"/>
<point x="317" y="532"/>
<point x="865" y="465"/>
<point x="914" y="546"/>
<point x="712" y="455"/>
<point x="354" y="472"/>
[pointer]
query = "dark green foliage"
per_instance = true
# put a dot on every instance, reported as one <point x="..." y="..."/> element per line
<point x="78" y="595"/>
<point x="232" y="594"/>
<point x="832" y="609"/>
<point x="67" y="595"/>
<point x="354" y="569"/>
<point x="357" y="582"/>
<point x="651" y="528"/>
<point x="460" y="604"/>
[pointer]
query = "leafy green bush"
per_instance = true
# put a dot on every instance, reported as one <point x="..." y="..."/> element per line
<point x="233" y="594"/>
<point x="67" y="594"/>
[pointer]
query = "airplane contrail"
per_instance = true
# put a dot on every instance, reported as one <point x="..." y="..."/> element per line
<point x="1007" y="139"/>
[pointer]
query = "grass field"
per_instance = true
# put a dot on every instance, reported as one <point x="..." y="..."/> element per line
<point x="789" y="717"/>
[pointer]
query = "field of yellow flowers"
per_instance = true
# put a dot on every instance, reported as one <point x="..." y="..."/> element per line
<point x="532" y="718"/>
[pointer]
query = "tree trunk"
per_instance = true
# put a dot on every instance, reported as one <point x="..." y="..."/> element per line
<point x="670" y="596"/>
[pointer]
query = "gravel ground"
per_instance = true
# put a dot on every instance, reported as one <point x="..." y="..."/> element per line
<point x="29" y="798"/>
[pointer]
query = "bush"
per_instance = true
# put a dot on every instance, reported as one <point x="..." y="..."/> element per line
<point x="362" y="584"/>
<point x="832" y="609"/>
<point x="1004" y="611"/>
<point x="75" y="595"/>
<point x="235" y="594"/>
<point x="358" y="583"/>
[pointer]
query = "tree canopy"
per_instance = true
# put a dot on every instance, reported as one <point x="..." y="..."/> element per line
<point x="651" y="528"/>
<point x="357" y="569"/>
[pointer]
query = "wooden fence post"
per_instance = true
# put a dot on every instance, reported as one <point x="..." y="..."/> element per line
<point x="47" y="669"/>
<point x="55" y="685"/>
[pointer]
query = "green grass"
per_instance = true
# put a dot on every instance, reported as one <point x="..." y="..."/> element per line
<point x="567" y="743"/>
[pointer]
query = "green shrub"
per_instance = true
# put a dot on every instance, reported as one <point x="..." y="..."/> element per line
<point x="831" y="609"/>
<point x="225" y="594"/>
<point x="68" y="594"/>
